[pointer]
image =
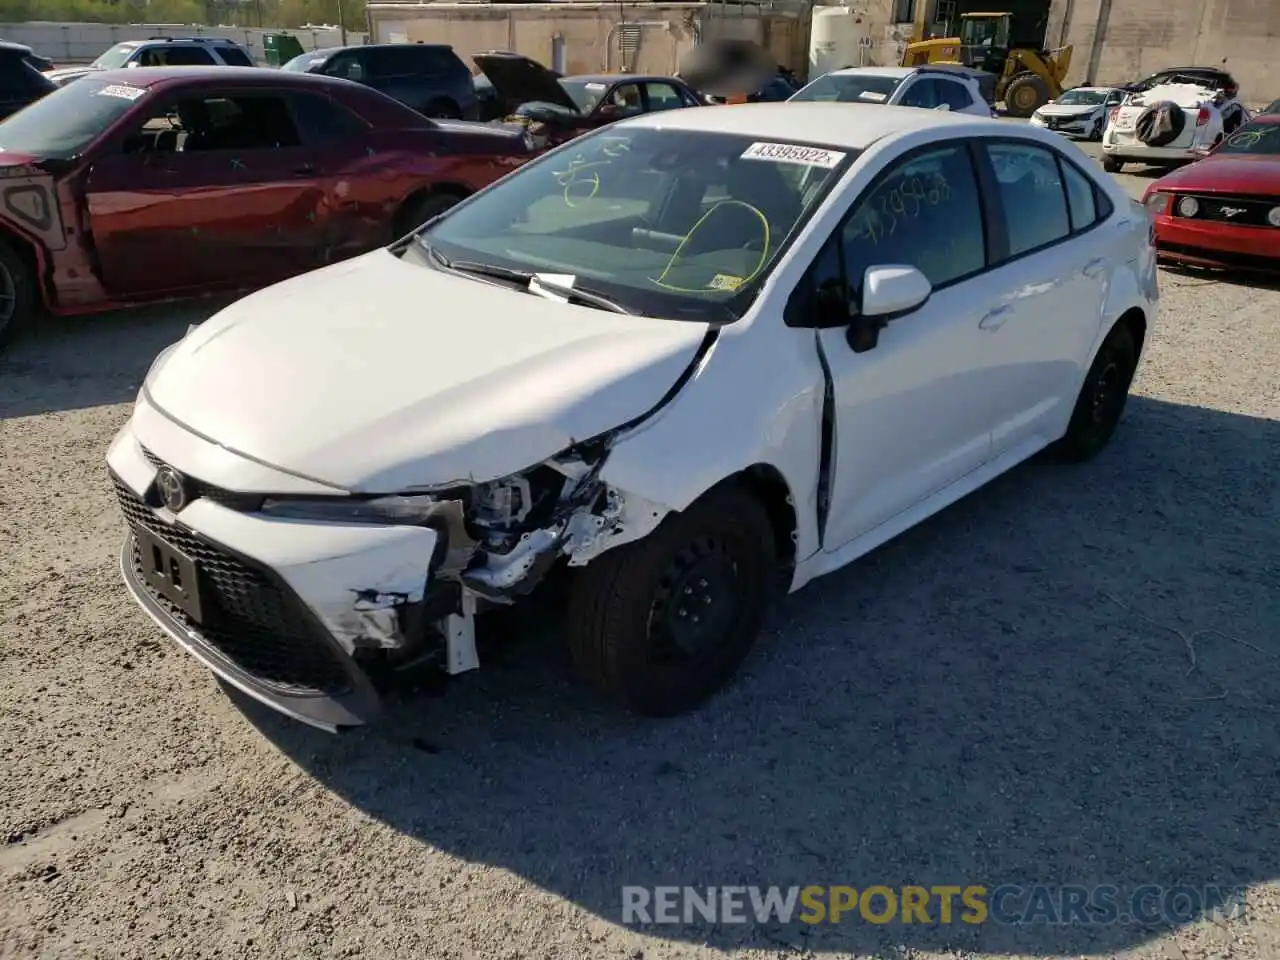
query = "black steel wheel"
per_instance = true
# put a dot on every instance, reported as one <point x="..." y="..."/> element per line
<point x="1102" y="398"/>
<point x="664" y="622"/>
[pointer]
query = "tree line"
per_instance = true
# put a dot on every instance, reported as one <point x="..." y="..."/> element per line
<point x="236" y="13"/>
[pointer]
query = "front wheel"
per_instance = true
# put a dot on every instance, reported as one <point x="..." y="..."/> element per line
<point x="663" y="623"/>
<point x="1112" y="165"/>
<point x="1102" y="398"/>
<point x="1096" y="133"/>
<point x="418" y="210"/>
<point x="19" y="295"/>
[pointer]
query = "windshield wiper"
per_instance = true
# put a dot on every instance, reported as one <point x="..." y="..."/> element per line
<point x="478" y="269"/>
<point x="589" y="297"/>
<point x="524" y="278"/>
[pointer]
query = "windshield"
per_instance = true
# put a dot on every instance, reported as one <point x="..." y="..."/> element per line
<point x="670" y="223"/>
<point x="1254" y="137"/>
<point x="850" y="88"/>
<point x="585" y="93"/>
<point x="304" y="62"/>
<point x="116" y="57"/>
<point x="1083" y="98"/>
<point x="64" y="123"/>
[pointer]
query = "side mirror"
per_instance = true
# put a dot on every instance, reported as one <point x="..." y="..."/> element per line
<point x="890" y="291"/>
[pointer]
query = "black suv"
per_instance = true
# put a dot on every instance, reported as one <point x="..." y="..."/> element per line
<point x="429" y="77"/>
<point x="20" y="82"/>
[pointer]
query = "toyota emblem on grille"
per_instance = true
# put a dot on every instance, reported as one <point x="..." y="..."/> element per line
<point x="1230" y="211"/>
<point x="173" y="492"/>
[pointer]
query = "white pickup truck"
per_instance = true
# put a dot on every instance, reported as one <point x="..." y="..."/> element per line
<point x="1168" y="124"/>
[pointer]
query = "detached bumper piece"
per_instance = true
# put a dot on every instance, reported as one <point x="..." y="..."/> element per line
<point x="241" y="622"/>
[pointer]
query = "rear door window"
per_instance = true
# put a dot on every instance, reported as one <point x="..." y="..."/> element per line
<point x="347" y="65"/>
<point x="187" y="55"/>
<point x="234" y="57"/>
<point x="1032" y="194"/>
<point x="321" y="121"/>
<point x="394" y="62"/>
<point x="954" y="95"/>
<point x="922" y="93"/>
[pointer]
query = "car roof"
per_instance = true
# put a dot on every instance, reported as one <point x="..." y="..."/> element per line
<point x="852" y="125"/>
<point x="154" y="76"/>
<point x="1092" y="89"/>
<point x="8" y="46"/>
<point x="876" y="71"/>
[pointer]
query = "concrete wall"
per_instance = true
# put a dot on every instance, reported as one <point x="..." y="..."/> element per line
<point x="67" y="43"/>
<point x="588" y="31"/>
<point x="1128" y="40"/>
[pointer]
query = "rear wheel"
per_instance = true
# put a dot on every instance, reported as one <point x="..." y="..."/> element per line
<point x="1112" y="164"/>
<point x="664" y="622"/>
<point x="1025" y="94"/>
<point x="1102" y="398"/>
<point x="19" y="295"/>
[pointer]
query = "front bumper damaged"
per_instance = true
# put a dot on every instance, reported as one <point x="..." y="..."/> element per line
<point x="308" y="617"/>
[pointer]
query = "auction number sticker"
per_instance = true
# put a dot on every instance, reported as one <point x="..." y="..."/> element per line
<point x="791" y="153"/>
<point x="122" y="91"/>
<point x="724" y="281"/>
<point x="873" y="95"/>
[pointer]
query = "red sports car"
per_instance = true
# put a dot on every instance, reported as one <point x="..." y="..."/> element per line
<point x="1224" y="210"/>
<point x="140" y="185"/>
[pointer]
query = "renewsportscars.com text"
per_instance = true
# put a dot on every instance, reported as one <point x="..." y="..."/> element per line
<point x="971" y="904"/>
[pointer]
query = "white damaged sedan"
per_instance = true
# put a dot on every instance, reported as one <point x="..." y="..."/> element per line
<point x="687" y="362"/>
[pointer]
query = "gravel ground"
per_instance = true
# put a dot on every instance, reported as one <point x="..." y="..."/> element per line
<point x="1070" y="677"/>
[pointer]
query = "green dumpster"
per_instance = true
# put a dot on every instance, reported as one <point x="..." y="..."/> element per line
<point x="280" y="48"/>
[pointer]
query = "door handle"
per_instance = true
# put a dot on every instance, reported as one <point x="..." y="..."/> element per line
<point x="1094" y="267"/>
<point x="996" y="318"/>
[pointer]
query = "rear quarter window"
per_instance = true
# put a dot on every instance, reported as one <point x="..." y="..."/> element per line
<point x="235" y="57"/>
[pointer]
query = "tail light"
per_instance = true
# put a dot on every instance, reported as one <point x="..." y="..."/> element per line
<point x="1202" y="117"/>
<point x="1112" y="114"/>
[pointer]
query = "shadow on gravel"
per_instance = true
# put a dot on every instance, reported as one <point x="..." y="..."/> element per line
<point x="1003" y="695"/>
<point x="77" y="362"/>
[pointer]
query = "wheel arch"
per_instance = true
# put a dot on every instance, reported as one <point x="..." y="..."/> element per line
<point x="35" y="257"/>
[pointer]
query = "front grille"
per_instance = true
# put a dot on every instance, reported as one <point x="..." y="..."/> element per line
<point x="250" y="620"/>
<point x="1243" y="211"/>
<point x="243" y="502"/>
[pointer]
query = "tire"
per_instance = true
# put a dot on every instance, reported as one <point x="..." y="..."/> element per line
<point x="1145" y="125"/>
<point x="1102" y="399"/>
<point x="417" y="210"/>
<point x="442" y="109"/>
<point x="19" y="295"/>
<point x="1025" y="94"/>
<point x="633" y="629"/>
<point x="1095" y="134"/>
<point x="1112" y="164"/>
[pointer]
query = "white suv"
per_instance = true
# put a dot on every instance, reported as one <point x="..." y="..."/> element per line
<point x="160" y="52"/>
<point x="930" y="88"/>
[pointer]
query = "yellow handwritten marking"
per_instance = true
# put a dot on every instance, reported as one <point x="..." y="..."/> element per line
<point x="660" y="280"/>
<point x="724" y="281"/>
<point x="569" y="178"/>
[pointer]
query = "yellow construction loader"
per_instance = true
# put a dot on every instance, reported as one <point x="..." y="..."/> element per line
<point x="1026" y="78"/>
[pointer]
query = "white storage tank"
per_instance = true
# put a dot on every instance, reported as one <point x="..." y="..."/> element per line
<point x="834" y="40"/>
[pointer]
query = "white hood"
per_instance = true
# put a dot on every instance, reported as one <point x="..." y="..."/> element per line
<point x="380" y="375"/>
<point x="1080" y="110"/>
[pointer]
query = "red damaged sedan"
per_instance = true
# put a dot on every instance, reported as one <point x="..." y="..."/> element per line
<point x="134" y="186"/>
<point x="1224" y="210"/>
